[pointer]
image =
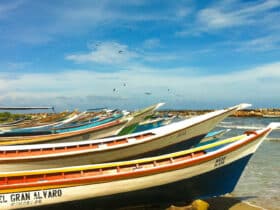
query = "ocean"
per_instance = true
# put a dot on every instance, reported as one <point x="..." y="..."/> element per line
<point x="260" y="182"/>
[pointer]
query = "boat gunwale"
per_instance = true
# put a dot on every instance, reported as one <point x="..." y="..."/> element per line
<point x="58" y="136"/>
<point x="186" y="162"/>
<point x="91" y="149"/>
<point x="52" y="134"/>
<point x="83" y="180"/>
<point x="120" y="120"/>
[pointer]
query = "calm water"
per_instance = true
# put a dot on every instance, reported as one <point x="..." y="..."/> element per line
<point x="260" y="182"/>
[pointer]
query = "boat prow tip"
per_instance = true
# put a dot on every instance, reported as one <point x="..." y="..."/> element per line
<point x="243" y="106"/>
<point x="159" y="105"/>
<point x="274" y="125"/>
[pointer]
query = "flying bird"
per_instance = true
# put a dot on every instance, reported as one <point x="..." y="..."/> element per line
<point x="120" y="51"/>
<point x="97" y="44"/>
<point x="148" y="93"/>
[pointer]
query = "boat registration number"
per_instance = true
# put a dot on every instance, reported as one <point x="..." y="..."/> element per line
<point x="220" y="161"/>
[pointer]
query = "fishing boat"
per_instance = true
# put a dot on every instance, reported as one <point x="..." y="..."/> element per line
<point x="57" y="123"/>
<point x="153" y="123"/>
<point x="13" y="123"/>
<point x="45" y="128"/>
<point x="41" y="123"/>
<point x="71" y="124"/>
<point x="147" y="124"/>
<point x="102" y="128"/>
<point x="210" y="170"/>
<point x="172" y="137"/>
<point x="215" y="135"/>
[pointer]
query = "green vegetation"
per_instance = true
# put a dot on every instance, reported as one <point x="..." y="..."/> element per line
<point x="9" y="117"/>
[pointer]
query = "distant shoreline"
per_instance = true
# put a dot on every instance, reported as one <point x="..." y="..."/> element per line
<point x="265" y="112"/>
<point x="241" y="113"/>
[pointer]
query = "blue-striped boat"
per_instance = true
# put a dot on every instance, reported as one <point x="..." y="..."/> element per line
<point x="165" y="139"/>
<point x="108" y="126"/>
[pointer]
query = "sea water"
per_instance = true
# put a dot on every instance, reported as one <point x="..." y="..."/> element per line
<point x="260" y="182"/>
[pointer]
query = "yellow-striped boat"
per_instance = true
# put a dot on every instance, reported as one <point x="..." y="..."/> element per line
<point x="210" y="170"/>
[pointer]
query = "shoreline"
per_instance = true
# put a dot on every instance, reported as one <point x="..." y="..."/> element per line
<point x="261" y="113"/>
<point x="265" y="113"/>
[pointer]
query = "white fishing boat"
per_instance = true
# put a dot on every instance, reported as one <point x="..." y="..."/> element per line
<point x="210" y="170"/>
<point x="107" y="127"/>
<point x="172" y="137"/>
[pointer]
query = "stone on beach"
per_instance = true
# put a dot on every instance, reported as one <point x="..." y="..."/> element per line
<point x="217" y="203"/>
<point x="196" y="205"/>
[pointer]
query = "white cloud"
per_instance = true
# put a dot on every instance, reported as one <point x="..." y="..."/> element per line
<point x="259" y="8"/>
<point x="106" y="53"/>
<point x="247" y="26"/>
<point x="255" y="85"/>
<point x="119" y="54"/>
<point x="271" y="42"/>
<point x="230" y="14"/>
<point x="79" y="17"/>
<point x="233" y="13"/>
<point x="213" y="18"/>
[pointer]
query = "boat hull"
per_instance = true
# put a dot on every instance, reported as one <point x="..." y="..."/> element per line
<point x="110" y="129"/>
<point x="184" y="191"/>
<point x="212" y="175"/>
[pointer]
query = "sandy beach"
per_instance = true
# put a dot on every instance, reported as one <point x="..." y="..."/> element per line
<point x="232" y="203"/>
<point x="217" y="203"/>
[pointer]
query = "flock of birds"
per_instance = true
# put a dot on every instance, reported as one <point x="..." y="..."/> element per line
<point x="124" y="84"/>
<point x="146" y="93"/>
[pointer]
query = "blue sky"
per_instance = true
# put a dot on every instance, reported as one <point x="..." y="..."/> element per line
<point x="189" y="54"/>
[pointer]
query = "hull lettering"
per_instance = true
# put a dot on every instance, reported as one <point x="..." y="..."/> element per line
<point x="3" y="199"/>
<point x="32" y="198"/>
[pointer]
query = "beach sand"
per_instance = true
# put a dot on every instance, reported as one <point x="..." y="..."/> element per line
<point x="217" y="203"/>
<point x="231" y="203"/>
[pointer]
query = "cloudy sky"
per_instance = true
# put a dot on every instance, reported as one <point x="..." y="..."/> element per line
<point x="130" y="54"/>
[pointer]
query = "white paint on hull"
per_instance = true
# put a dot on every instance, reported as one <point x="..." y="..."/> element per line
<point x="165" y="136"/>
<point x="132" y="184"/>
